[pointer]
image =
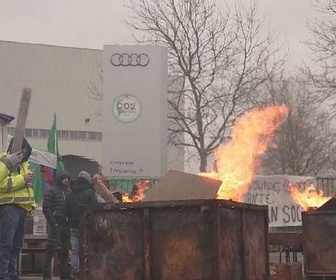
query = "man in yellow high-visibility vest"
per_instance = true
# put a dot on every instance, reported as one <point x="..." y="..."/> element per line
<point x="16" y="201"/>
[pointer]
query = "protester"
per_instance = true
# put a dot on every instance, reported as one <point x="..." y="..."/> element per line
<point x="82" y="197"/>
<point x="16" y="201"/>
<point x="53" y="209"/>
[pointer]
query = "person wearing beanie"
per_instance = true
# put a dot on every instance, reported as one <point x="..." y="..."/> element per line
<point x="81" y="198"/>
<point x="85" y="175"/>
<point x="53" y="209"/>
<point x="16" y="202"/>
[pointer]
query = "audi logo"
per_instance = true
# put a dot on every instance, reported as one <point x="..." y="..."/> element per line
<point x="129" y="59"/>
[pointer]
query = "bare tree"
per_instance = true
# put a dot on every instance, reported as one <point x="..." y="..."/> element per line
<point x="95" y="89"/>
<point x="305" y="144"/>
<point x="221" y="57"/>
<point x="323" y="47"/>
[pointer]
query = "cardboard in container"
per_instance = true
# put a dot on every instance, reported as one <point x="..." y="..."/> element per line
<point x="286" y="271"/>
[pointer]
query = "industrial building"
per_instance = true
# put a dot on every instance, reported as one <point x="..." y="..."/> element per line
<point x="66" y="81"/>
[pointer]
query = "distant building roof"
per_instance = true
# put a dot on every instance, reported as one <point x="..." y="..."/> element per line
<point x="6" y="118"/>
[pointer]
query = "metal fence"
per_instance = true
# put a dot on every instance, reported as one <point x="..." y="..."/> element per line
<point x="327" y="185"/>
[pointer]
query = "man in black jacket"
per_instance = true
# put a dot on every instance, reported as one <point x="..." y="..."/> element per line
<point x="82" y="197"/>
<point x="53" y="209"/>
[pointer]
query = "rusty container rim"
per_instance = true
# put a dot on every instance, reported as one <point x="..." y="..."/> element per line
<point x="187" y="203"/>
<point x="318" y="212"/>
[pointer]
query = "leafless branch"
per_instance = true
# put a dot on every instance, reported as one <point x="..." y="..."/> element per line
<point x="221" y="57"/>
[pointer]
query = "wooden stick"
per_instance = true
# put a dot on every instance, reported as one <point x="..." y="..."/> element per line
<point x="21" y="120"/>
<point x="105" y="193"/>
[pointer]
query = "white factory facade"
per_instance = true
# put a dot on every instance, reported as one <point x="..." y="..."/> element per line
<point x="64" y="81"/>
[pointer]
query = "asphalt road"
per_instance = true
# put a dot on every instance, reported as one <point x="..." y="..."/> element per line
<point x="37" y="277"/>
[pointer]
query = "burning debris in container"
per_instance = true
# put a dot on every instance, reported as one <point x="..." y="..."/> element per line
<point x="237" y="160"/>
<point x="308" y="198"/>
<point x="138" y="193"/>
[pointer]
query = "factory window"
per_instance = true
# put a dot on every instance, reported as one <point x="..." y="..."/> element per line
<point x="63" y="134"/>
<point x="73" y="134"/>
<point x="35" y="133"/>
<point x="31" y="133"/>
<point x="82" y="135"/>
<point x="95" y="136"/>
<point x="11" y="130"/>
<point x="44" y="133"/>
<point x="99" y="136"/>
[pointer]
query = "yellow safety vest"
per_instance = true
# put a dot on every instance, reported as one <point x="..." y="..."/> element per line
<point x="13" y="188"/>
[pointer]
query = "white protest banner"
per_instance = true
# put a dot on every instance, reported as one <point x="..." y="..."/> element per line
<point x="274" y="192"/>
<point x="43" y="158"/>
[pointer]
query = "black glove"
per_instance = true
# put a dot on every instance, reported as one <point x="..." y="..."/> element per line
<point x="12" y="161"/>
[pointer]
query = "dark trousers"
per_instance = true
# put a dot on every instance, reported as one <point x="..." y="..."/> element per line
<point x="12" y="231"/>
<point x="75" y="248"/>
<point x="57" y="235"/>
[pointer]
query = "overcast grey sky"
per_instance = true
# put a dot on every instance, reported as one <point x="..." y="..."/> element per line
<point x="92" y="24"/>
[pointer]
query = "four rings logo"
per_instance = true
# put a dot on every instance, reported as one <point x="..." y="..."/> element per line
<point x="129" y="59"/>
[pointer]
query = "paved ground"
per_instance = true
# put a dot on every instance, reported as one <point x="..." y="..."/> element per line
<point x="37" y="277"/>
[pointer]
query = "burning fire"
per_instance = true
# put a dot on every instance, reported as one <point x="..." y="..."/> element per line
<point x="237" y="160"/>
<point x="308" y="197"/>
<point x="141" y="187"/>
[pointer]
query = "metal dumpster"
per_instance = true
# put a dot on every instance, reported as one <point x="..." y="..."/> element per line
<point x="319" y="243"/>
<point x="176" y="240"/>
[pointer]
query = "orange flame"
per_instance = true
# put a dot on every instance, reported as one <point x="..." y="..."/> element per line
<point x="126" y="197"/>
<point x="238" y="159"/>
<point x="308" y="197"/>
<point x="140" y="191"/>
